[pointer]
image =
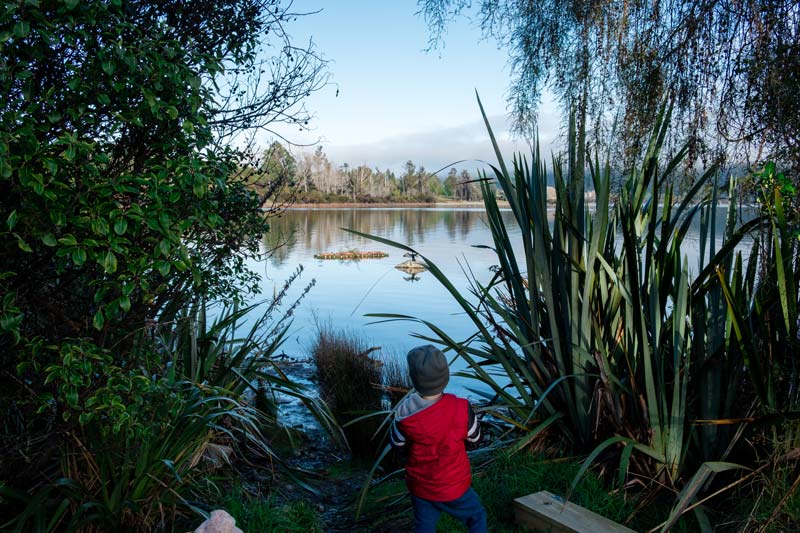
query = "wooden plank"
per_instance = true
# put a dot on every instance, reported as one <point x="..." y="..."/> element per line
<point x="548" y="512"/>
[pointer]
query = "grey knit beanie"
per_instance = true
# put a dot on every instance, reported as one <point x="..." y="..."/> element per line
<point x="428" y="369"/>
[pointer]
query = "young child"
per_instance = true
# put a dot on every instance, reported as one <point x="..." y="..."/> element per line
<point x="432" y="429"/>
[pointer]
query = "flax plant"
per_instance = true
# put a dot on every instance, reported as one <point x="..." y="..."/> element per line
<point x="604" y="335"/>
<point x="234" y="348"/>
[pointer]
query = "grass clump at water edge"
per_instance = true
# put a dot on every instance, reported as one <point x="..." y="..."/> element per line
<point x="350" y="383"/>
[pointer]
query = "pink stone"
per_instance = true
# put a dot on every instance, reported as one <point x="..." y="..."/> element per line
<point x="219" y="522"/>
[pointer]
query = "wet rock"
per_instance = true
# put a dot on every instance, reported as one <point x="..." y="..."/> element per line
<point x="219" y="522"/>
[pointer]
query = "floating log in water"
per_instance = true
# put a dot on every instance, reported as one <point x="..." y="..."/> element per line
<point x="351" y="255"/>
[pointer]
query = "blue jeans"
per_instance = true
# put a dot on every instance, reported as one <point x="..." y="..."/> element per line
<point x="467" y="509"/>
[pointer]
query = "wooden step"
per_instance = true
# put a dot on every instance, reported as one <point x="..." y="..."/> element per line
<point x="544" y="511"/>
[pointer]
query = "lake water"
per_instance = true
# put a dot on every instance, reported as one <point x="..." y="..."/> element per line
<point x="346" y="291"/>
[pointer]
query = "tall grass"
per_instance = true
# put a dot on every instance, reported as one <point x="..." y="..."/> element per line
<point x="396" y="379"/>
<point x="350" y="382"/>
<point x="255" y="514"/>
<point x="609" y="341"/>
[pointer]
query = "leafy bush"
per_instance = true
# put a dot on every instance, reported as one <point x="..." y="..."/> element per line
<point x="136" y="461"/>
<point x="122" y="201"/>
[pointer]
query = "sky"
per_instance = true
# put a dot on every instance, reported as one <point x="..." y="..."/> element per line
<point x="390" y="100"/>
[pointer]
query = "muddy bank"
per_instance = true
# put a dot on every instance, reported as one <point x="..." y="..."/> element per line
<point x="323" y="464"/>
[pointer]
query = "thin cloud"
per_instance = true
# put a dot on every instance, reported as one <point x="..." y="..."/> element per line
<point x="437" y="148"/>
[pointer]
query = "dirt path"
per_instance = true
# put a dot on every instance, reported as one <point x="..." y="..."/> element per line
<point x="336" y="479"/>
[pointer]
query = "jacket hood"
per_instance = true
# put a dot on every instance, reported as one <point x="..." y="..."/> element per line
<point x="411" y="405"/>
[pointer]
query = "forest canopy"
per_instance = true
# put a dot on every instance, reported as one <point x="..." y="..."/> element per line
<point x="118" y="179"/>
<point x="732" y="67"/>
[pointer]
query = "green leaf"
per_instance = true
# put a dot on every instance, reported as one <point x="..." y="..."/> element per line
<point x="72" y="398"/>
<point x="164" y="247"/>
<point x="100" y="226"/>
<point x="22" y="28"/>
<point x="214" y="219"/>
<point x="5" y="168"/>
<point x="68" y="240"/>
<point x="125" y="303"/>
<point x="693" y="487"/>
<point x="12" y="220"/>
<point x="78" y="256"/>
<point x="110" y="262"/>
<point x="172" y="112"/>
<point x="99" y="320"/>
<point x="48" y="239"/>
<point x="120" y="226"/>
<point x="23" y="245"/>
<point x="108" y="67"/>
<point x="163" y="267"/>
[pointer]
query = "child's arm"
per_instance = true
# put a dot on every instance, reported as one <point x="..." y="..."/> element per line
<point x="398" y="442"/>
<point x="473" y="430"/>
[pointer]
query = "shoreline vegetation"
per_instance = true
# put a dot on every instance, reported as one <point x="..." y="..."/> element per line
<point x="141" y="389"/>
<point x="385" y="204"/>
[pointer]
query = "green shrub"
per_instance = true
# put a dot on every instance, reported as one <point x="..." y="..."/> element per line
<point x="136" y="463"/>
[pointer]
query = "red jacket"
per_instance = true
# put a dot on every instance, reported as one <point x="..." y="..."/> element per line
<point x="438" y="468"/>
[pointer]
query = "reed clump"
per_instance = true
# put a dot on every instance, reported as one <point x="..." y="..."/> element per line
<point x="350" y="383"/>
<point x="596" y="332"/>
<point x="396" y="381"/>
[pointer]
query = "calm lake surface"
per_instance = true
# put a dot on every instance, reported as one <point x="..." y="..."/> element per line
<point x="346" y="291"/>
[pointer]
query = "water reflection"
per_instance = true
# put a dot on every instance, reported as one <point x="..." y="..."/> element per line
<point x="318" y="231"/>
<point x="413" y="277"/>
<point x="346" y="291"/>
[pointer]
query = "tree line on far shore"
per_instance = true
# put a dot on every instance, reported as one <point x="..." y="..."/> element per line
<point x="313" y="178"/>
